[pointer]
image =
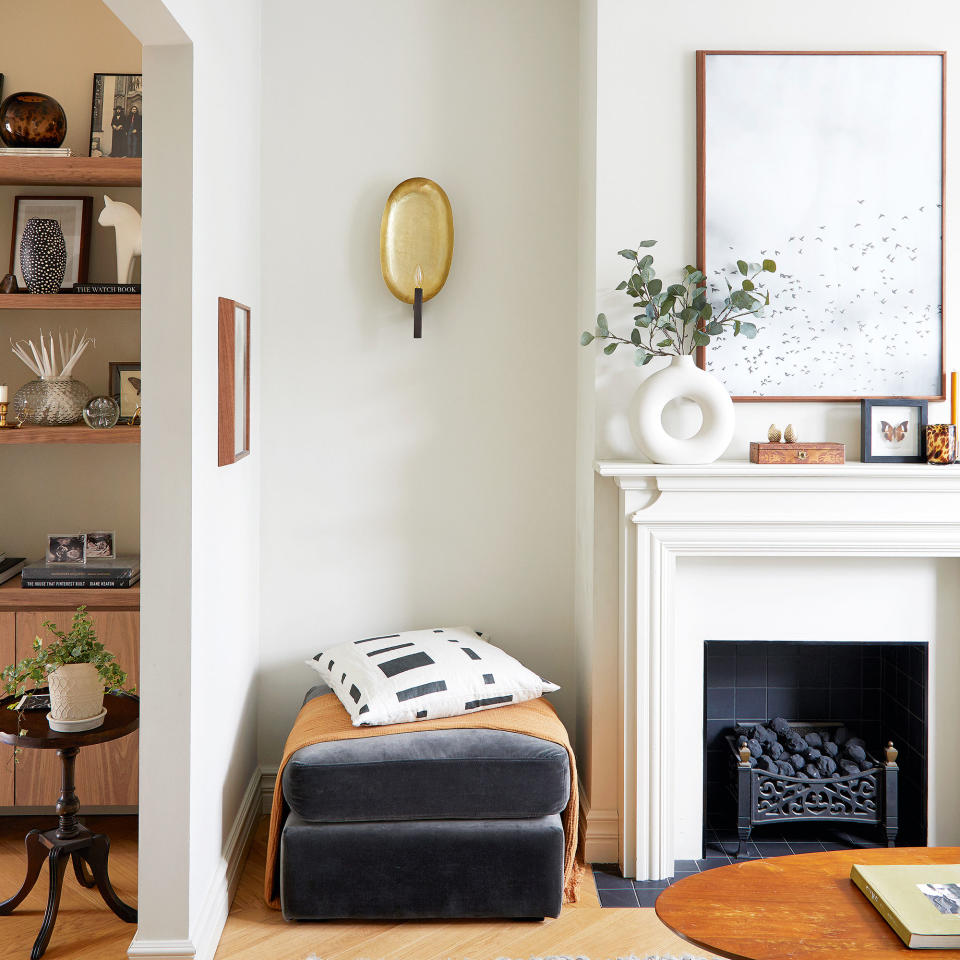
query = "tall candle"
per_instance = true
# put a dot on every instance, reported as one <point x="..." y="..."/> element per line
<point x="3" y="393"/>
<point x="417" y="302"/>
<point x="953" y="398"/>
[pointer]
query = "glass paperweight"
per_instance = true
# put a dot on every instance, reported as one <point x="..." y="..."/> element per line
<point x="101" y="413"/>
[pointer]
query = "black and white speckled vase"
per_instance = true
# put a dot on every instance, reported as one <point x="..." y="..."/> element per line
<point x="43" y="255"/>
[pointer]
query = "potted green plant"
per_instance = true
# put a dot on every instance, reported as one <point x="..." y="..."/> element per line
<point x="76" y="667"/>
<point x="672" y="322"/>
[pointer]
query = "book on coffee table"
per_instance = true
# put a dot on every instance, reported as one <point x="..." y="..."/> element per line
<point x="920" y="902"/>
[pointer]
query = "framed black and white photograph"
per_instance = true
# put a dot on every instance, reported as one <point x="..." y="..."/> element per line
<point x="116" y="118"/>
<point x="891" y="431"/>
<point x="74" y="215"/>
<point x="65" y="547"/>
<point x="99" y="545"/>
<point x="125" y="385"/>
<point x="802" y="159"/>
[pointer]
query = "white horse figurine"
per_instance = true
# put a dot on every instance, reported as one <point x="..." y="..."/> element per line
<point x="126" y="220"/>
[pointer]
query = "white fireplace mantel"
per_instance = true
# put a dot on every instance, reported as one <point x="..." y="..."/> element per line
<point x="737" y="509"/>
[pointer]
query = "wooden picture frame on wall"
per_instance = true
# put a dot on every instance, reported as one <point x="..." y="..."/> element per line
<point x="801" y="158"/>
<point x="234" y="381"/>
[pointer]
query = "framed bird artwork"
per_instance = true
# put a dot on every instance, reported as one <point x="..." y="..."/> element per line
<point x="803" y="157"/>
<point x="891" y="430"/>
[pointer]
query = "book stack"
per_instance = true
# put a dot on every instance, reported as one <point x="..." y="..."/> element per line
<point x="117" y="573"/>
<point x="35" y="152"/>
<point x="10" y="566"/>
<point x="920" y="902"/>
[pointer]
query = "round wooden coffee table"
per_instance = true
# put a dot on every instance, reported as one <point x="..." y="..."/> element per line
<point x="71" y="840"/>
<point x="802" y="907"/>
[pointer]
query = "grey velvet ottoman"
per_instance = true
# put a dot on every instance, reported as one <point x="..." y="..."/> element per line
<point x="436" y="823"/>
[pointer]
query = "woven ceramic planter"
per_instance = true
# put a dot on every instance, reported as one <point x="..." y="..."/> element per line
<point x="76" y="692"/>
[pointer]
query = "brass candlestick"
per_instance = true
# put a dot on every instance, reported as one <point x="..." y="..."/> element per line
<point x="3" y="415"/>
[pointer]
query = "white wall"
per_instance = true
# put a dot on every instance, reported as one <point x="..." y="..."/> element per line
<point x="409" y="483"/>
<point x="201" y="523"/>
<point x="646" y="188"/>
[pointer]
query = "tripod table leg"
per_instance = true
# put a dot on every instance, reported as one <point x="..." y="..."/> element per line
<point x="36" y="854"/>
<point x="96" y="855"/>
<point x="58" y="866"/>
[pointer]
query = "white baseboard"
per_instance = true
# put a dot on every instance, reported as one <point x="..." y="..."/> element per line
<point x="268" y="778"/>
<point x="601" y="833"/>
<point x="207" y="926"/>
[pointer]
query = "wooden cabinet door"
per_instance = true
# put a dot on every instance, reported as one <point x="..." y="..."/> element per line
<point x="7" y="655"/>
<point x="107" y="772"/>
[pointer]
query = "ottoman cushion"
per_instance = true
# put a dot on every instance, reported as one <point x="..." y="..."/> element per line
<point x="422" y="868"/>
<point x="428" y="775"/>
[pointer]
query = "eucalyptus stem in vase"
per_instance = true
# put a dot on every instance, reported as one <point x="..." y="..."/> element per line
<point x="672" y="323"/>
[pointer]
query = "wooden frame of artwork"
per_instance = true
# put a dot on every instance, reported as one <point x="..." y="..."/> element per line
<point x="234" y="381"/>
<point x="816" y="202"/>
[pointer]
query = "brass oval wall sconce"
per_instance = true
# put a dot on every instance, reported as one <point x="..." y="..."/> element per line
<point x="416" y="243"/>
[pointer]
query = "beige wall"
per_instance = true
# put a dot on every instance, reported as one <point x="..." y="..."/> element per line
<point x="68" y="488"/>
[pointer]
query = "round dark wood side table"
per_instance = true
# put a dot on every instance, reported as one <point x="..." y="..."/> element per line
<point x="71" y="840"/>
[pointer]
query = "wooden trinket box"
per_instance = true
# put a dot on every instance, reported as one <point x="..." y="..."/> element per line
<point x="797" y="453"/>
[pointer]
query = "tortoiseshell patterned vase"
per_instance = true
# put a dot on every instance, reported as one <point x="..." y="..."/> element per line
<point x="941" y="443"/>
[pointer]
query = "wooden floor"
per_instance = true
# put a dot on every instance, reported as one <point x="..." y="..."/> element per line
<point x="87" y="930"/>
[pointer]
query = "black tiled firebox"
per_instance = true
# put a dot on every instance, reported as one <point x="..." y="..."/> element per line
<point x="878" y="690"/>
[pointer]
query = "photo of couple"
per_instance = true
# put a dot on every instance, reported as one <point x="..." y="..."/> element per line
<point x="116" y="122"/>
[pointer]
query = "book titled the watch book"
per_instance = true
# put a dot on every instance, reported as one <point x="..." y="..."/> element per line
<point x="921" y="902"/>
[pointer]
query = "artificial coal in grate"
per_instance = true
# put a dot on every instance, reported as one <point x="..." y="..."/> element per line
<point x="779" y="748"/>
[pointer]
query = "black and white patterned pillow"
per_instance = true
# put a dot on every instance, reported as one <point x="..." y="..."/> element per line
<point x="440" y="672"/>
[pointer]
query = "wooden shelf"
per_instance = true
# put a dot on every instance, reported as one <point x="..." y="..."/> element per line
<point x="70" y="171"/>
<point x="78" y="433"/>
<point x="69" y="301"/>
<point x="14" y="597"/>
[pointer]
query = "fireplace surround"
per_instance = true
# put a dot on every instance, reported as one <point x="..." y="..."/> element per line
<point x="733" y="510"/>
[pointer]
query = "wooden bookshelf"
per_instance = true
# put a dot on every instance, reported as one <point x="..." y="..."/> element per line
<point x="69" y="301"/>
<point x="78" y="433"/>
<point x="70" y="171"/>
<point x="14" y="597"/>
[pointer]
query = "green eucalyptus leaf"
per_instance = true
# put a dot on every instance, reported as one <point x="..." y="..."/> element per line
<point x="747" y="284"/>
<point x="646" y="274"/>
<point x="677" y="290"/>
<point x="689" y="268"/>
<point x="586" y="338"/>
<point x="635" y="337"/>
<point x="689" y="314"/>
<point x="602" y="322"/>
<point x="770" y="266"/>
<point x="651" y="311"/>
<point x="655" y="286"/>
<point x="622" y="285"/>
<point x="665" y="343"/>
<point x="706" y="312"/>
<point x="610" y="347"/>
<point x="628" y="254"/>
<point x="749" y="330"/>
<point x="714" y="328"/>
<point x="645" y="261"/>
<point x="742" y="266"/>
<point x="700" y="300"/>
<point x="695" y="277"/>
<point x="648" y="243"/>
<point x="700" y="339"/>
<point x="742" y="300"/>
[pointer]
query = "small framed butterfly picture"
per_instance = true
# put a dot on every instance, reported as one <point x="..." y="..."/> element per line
<point x="891" y="431"/>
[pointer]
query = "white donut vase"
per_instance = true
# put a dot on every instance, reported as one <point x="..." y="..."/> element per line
<point x="683" y="378"/>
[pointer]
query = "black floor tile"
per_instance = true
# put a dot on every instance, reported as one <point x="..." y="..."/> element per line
<point x="771" y="848"/>
<point x="680" y="875"/>
<point x="685" y="866"/>
<point x="648" y="896"/>
<point x="720" y="850"/>
<point x="713" y="863"/>
<point x="639" y="885"/>
<point x="611" y="881"/>
<point x="809" y="847"/>
<point x="618" y="898"/>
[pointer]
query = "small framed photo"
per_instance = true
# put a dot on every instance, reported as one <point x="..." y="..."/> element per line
<point x="74" y="216"/>
<point x="116" y="117"/>
<point x="99" y="545"/>
<point x="125" y="384"/>
<point x="66" y="547"/>
<point x="234" y="383"/>
<point x="891" y="431"/>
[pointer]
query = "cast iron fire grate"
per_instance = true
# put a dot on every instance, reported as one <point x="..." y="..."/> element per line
<point x="790" y="772"/>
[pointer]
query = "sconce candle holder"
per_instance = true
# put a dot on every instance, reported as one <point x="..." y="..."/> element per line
<point x="416" y="243"/>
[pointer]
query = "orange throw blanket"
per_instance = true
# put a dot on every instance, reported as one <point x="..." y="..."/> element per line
<point x="324" y="719"/>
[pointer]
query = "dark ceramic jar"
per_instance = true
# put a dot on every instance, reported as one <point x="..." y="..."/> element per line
<point x="32" y="120"/>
